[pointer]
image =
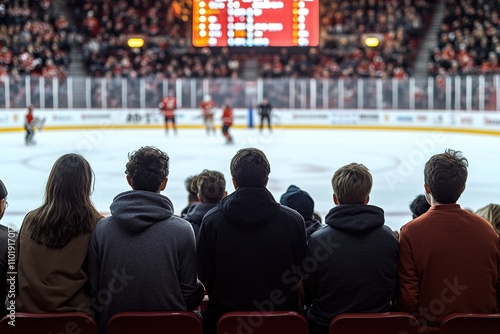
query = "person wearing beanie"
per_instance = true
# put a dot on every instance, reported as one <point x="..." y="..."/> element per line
<point x="302" y="202"/>
<point x="4" y="243"/>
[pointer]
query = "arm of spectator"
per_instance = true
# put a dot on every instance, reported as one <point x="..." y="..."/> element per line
<point x="191" y="288"/>
<point x="407" y="275"/>
<point x="498" y="280"/>
<point x="310" y="279"/>
<point x="205" y="257"/>
<point x="94" y="265"/>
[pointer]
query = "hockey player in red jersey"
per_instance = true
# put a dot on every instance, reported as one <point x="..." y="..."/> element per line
<point x="227" y="121"/>
<point x="207" y="108"/>
<point x="167" y="106"/>
<point x="29" y="126"/>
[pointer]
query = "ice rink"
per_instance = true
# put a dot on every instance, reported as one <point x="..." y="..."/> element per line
<point x="306" y="158"/>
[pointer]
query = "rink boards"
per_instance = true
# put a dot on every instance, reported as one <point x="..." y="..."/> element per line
<point x="443" y="120"/>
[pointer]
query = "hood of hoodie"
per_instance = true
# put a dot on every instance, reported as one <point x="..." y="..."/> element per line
<point x="138" y="209"/>
<point x="249" y="206"/>
<point x="197" y="211"/>
<point x="355" y="218"/>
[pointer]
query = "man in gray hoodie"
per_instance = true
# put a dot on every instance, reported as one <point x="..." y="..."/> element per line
<point x="142" y="258"/>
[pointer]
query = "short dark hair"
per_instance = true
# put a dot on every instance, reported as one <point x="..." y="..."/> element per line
<point x="147" y="168"/>
<point x="419" y="206"/>
<point x="352" y="183"/>
<point x="446" y="174"/>
<point x="250" y="168"/>
<point x="211" y="186"/>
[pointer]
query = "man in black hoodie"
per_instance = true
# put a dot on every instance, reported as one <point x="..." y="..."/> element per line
<point x="250" y="246"/>
<point x="359" y="274"/>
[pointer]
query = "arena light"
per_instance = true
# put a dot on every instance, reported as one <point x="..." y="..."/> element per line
<point x="372" y="42"/>
<point x="135" y="42"/>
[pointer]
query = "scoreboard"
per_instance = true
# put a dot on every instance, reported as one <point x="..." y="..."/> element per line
<point x="255" y="23"/>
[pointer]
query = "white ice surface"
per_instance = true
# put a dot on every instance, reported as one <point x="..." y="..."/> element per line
<point x="306" y="158"/>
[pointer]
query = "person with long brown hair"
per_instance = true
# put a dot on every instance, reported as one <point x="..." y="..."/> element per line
<point x="53" y="242"/>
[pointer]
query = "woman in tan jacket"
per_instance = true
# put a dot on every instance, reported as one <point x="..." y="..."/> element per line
<point x="53" y="242"/>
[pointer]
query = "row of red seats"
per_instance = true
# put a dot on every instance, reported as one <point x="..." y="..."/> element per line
<point x="243" y="322"/>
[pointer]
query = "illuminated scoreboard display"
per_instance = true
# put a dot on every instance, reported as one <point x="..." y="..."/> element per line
<point x="255" y="23"/>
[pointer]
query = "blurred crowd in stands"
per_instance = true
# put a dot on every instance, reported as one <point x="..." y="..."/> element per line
<point x="468" y="40"/>
<point x="35" y="39"/>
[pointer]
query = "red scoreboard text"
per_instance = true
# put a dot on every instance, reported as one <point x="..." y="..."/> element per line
<point x="255" y="23"/>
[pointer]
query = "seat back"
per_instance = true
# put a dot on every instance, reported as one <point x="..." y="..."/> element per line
<point x="155" y="323"/>
<point x="262" y="323"/>
<point x="374" y="323"/>
<point x="462" y="323"/>
<point x="34" y="323"/>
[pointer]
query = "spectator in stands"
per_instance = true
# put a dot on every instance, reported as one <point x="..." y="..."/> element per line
<point x="491" y="213"/>
<point x="210" y="187"/>
<point x="449" y="258"/>
<point x="192" y="190"/>
<point x="359" y="272"/>
<point x="4" y="249"/>
<point x="302" y="202"/>
<point x="467" y="40"/>
<point x="419" y="206"/>
<point x="145" y="245"/>
<point x="249" y="244"/>
<point x="166" y="50"/>
<point x="37" y="37"/>
<point x="51" y="251"/>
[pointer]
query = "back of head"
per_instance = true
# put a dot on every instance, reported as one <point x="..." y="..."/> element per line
<point x="191" y="188"/>
<point x="298" y="200"/>
<point x="3" y="190"/>
<point x="250" y="168"/>
<point x="352" y="184"/>
<point x="67" y="194"/>
<point x="147" y="168"/>
<point x="3" y="195"/>
<point x="446" y="174"/>
<point x="491" y="213"/>
<point x="70" y="180"/>
<point x="211" y="186"/>
<point x="419" y="206"/>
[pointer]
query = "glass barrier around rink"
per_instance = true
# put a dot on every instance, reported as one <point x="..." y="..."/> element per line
<point x="440" y="92"/>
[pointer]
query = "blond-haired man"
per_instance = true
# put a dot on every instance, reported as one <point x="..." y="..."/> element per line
<point x="356" y="255"/>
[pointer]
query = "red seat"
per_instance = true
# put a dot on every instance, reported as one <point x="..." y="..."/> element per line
<point x="374" y="323"/>
<point x="262" y="323"/>
<point x="155" y="323"/>
<point x="35" y="323"/>
<point x="462" y="323"/>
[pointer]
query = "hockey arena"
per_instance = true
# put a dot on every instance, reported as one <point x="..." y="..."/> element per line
<point x="304" y="157"/>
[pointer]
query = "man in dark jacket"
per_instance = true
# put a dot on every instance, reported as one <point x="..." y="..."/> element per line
<point x="142" y="258"/>
<point x="249" y="246"/>
<point x="359" y="273"/>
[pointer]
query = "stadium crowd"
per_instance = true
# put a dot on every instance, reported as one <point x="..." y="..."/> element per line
<point x="468" y="39"/>
<point x="34" y="39"/>
<point x="245" y="251"/>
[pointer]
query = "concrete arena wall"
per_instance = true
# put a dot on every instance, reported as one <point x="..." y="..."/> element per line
<point x="453" y="121"/>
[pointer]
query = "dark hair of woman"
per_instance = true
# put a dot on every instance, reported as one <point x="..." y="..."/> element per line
<point x="67" y="210"/>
